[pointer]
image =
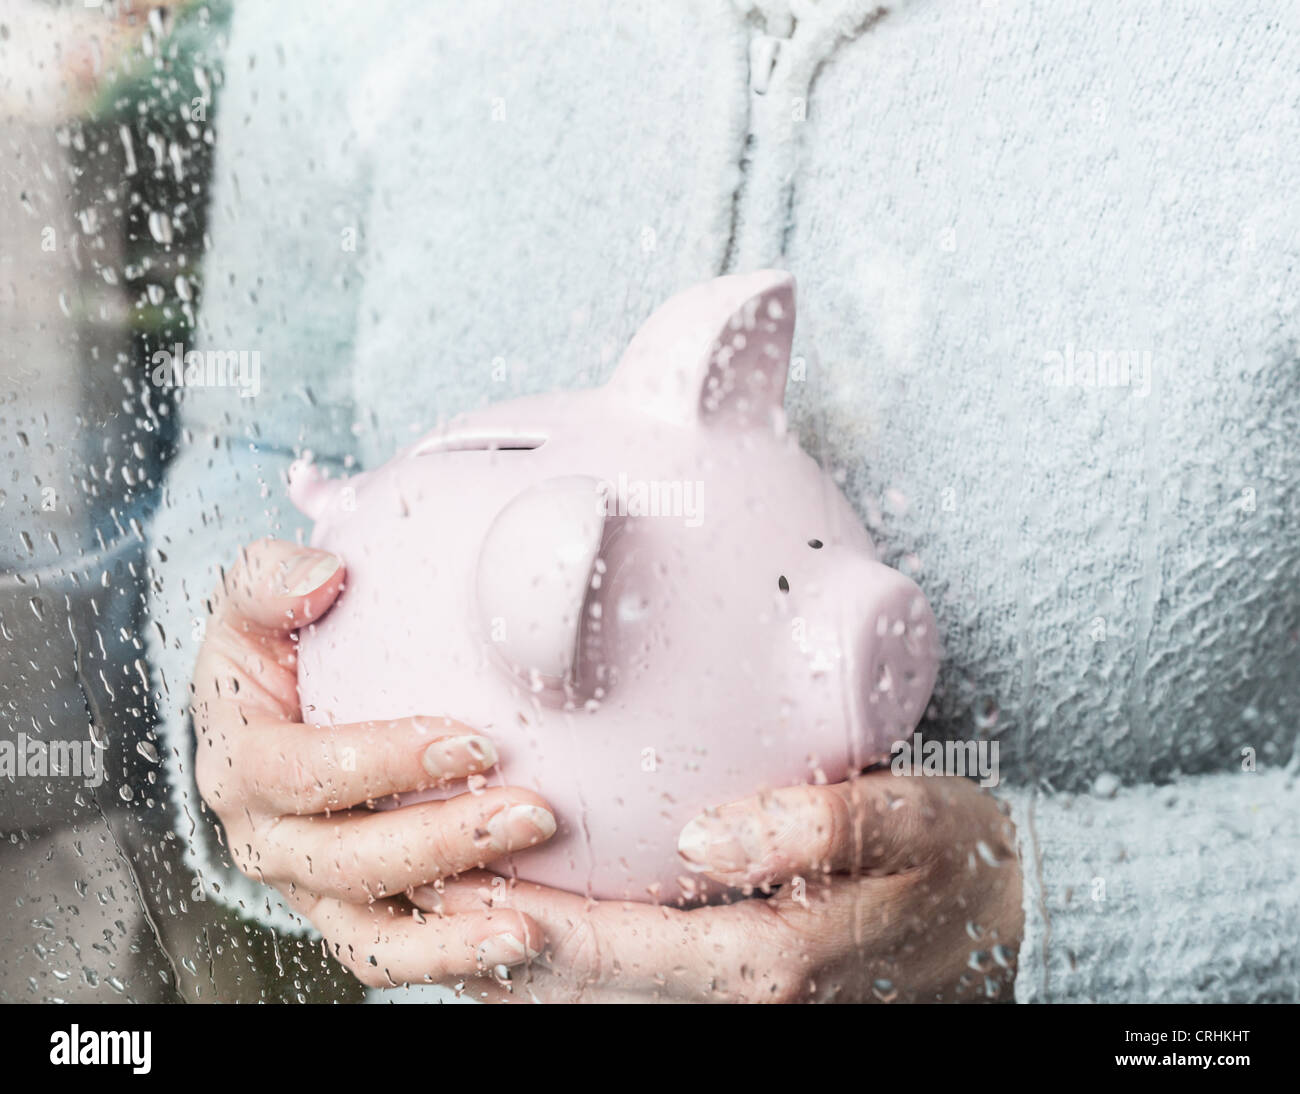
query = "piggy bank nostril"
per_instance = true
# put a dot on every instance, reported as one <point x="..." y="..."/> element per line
<point x="815" y="544"/>
<point x="782" y="584"/>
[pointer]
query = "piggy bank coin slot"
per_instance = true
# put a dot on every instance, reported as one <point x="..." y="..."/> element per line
<point x="481" y="442"/>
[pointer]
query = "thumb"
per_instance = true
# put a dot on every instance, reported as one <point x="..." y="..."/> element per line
<point x="276" y="587"/>
<point x="877" y="824"/>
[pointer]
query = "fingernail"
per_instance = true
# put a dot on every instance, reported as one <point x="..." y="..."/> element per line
<point x="504" y="949"/>
<point x="427" y="898"/>
<point x="452" y="757"/>
<point x="519" y="826"/>
<point x="721" y="843"/>
<point x="308" y="571"/>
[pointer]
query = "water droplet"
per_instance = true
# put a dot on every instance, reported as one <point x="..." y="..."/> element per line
<point x="160" y="227"/>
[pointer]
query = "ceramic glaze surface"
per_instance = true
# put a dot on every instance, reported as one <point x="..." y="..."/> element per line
<point x="646" y="593"/>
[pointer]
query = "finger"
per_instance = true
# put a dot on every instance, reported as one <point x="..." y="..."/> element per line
<point x="386" y="944"/>
<point x="363" y="855"/>
<point x="291" y="768"/>
<point x="276" y="587"/>
<point x="878" y="823"/>
<point x="598" y="950"/>
<point x="275" y="766"/>
<point x="469" y="891"/>
<point x="248" y="661"/>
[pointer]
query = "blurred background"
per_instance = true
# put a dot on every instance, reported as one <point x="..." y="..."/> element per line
<point x="106" y="141"/>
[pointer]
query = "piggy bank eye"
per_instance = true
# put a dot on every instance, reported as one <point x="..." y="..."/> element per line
<point x="815" y="544"/>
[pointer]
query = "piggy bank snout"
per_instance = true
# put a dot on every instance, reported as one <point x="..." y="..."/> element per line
<point x="871" y="628"/>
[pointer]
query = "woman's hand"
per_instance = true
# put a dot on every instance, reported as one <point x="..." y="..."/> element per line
<point x="890" y="887"/>
<point x="285" y="792"/>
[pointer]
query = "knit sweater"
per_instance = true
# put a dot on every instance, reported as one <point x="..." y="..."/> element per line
<point x="1047" y="275"/>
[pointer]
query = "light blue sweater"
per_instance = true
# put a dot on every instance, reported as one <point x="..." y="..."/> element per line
<point x="976" y="203"/>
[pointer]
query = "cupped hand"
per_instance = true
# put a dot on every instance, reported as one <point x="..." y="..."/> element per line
<point x="291" y="796"/>
<point x="882" y="888"/>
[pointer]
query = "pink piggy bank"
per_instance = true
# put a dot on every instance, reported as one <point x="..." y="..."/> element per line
<point x="646" y="593"/>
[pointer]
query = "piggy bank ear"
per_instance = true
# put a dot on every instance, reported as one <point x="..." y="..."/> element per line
<point x="310" y="491"/>
<point x="535" y="571"/>
<point x="717" y="353"/>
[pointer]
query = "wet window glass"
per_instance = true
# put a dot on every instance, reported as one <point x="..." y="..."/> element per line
<point x="670" y="502"/>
